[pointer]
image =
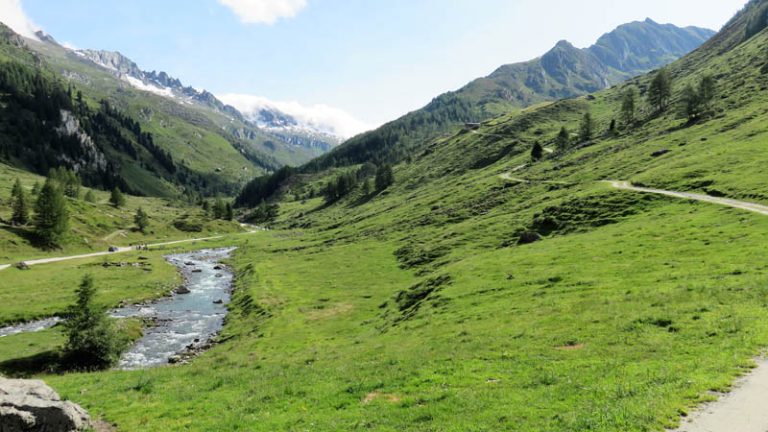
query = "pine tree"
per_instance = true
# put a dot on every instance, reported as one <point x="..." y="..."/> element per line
<point x="537" y="152"/>
<point x="690" y="103"/>
<point x="117" y="198"/>
<point x="229" y="213"/>
<point x="707" y="92"/>
<point x="586" y="129"/>
<point x="219" y="209"/>
<point x="90" y="196"/>
<point x="697" y="101"/>
<point x="563" y="139"/>
<point x="19" y="205"/>
<point x="36" y="188"/>
<point x="628" y="107"/>
<point x="92" y="341"/>
<point x="141" y="219"/>
<point x="385" y="178"/>
<point x="51" y="216"/>
<point x="660" y="91"/>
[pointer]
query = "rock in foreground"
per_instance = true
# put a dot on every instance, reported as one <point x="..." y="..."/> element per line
<point x="30" y="405"/>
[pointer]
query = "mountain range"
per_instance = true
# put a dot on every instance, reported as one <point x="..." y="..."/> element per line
<point x="219" y="145"/>
<point x="563" y="72"/>
<point x="284" y="126"/>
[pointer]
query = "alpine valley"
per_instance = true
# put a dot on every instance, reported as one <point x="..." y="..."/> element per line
<point x="572" y="243"/>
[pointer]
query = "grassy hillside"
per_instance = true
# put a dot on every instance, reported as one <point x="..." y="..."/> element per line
<point x="94" y="227"/>
<point x="419" y="308"/>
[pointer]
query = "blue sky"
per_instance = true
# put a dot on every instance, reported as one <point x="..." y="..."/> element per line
<point x="373" y="59"/>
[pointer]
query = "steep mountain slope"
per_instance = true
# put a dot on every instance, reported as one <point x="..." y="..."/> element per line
<point x="160" y="137"/>
<point x="565" y="71"/>
<point x="279" y="125"/>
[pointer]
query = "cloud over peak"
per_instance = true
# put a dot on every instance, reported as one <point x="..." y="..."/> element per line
<point x="321" y="118"/>
<point x="12" y="15"/>
<point x="264" y="11"/>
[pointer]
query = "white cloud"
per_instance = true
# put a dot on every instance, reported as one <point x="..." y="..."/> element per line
<point x="320" y="118"/>
<point x="264" y="11"/>
<point x="12" y="15"/>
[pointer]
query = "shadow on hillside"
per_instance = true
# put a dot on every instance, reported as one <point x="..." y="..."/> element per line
<point x="365" y="199"/>
<point x="25" y="233"/>
<point x="46" y="362"/>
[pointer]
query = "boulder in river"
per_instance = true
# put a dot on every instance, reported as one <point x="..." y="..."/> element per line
<point x="197" y="271"/>
<point x="182" y="290"/>
<point x="30" y="405"/>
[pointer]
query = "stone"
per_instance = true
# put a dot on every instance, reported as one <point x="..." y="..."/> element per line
<point x="182" y="290"/>
<point x="27" y="405"/>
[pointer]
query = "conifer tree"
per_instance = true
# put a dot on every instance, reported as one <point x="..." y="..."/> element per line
<point x="563" y="139"/>
<point x="117" y="198"/>
<point x="92" y="340"/>
<point x="51" y="216"/>
<point x="141" y="219"/>
<point x="660" y="91"/>
<point x="537" y="152"/>
<point x="628" y="107"/>
<point x="586" y="129"/>
<point x="19" y="205"/>
<point x="219" y="209"/>
<point x="384" y="178"/>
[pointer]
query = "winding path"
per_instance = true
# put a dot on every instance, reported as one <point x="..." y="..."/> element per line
<point x="756" y="208"/>
<point x="118" y="251"/>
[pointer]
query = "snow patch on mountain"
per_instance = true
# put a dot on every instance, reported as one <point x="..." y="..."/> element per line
<point x="139" y="84"/>
<point x="287" y="116"/>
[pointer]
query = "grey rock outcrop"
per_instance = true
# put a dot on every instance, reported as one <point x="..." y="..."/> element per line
<point x="30" y="405"/>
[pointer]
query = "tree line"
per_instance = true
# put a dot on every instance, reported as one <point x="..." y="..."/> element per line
<point x="46" y="210"/>
<point x="695" y="102"/>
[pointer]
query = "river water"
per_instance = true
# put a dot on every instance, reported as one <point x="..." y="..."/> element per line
<point x="182" y="321"/>
<point x="30" y="327"/>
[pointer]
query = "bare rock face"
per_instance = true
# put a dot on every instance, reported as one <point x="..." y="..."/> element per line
<point x="30" y="405"/>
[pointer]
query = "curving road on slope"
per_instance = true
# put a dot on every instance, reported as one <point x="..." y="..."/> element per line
<point x="743" y="205"/>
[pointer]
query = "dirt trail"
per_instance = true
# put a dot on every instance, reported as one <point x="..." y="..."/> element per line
<point x="115" y="234"/>
<point x="757" y="208"/>
<point x="742" y="410"/>
<point x="119" y="250"/>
